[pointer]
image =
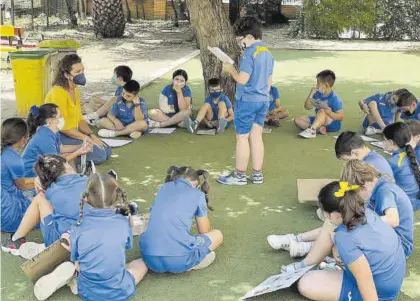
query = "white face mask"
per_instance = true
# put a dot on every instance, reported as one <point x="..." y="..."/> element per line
<point x="61" y="123"/>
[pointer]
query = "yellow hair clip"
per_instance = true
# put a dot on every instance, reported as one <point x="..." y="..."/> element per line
<point x="344" y="187"/>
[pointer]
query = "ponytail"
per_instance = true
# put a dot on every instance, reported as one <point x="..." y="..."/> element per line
<point x="414" y="164"/>
<point x="343" y="198"/>
<point x="173" y="173"/>
<point x="38" y="116"/>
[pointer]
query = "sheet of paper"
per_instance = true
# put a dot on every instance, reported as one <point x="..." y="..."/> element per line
<point x="164" y="131"/>
<point x="365" y="138"/>
<point x="380" y="144"/>
<point x="308" y="189"/>
<point x="276" y="282"/>
<point x="116" y="142"/>
<point x="210" y="132"/>
<point x="220" y="55"/>
<point x="267" y="131"/>
<point x="319" y="104"/>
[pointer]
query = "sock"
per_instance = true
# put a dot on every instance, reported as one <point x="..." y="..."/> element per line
<point x="254" y="172"/>
<point x="15" y="237"/>
<point x="302" y="264"/>
<point x="240" y="173"/>
<point x="299" y="238"/>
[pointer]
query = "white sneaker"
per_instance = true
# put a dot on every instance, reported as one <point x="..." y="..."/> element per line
<point x="30" y="249"/>
<point x="154" y="124"/>
<point x="91" y="118"/>
<point x="278" y="242"/>
<point x="104" y="133"/>
<point x="320" y="214"/>
<point x="135" y="135"/>
<point x="299" y="249"/>
<point x="308" y="133"/>
<point x="370" y="131"/>
<point x="72" y="284"/>
<point x="49" y="284"/>
<point x="208" y="260"/>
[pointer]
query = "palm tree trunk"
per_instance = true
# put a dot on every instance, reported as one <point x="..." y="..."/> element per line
<point x="108" y="18"/>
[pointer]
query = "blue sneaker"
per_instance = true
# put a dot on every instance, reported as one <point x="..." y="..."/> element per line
<point x="234" y="178"/>
<point x="257" y="178"/>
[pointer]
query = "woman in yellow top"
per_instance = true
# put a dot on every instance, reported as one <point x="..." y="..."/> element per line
<point x="66" y="95"/>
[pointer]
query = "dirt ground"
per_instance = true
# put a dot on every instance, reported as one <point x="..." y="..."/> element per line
<point x="149" y="46"/>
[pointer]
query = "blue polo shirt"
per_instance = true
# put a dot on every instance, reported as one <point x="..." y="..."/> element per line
<point x="99" y="245"/>
<point x="385" y="106"/>
<point x="13" y="202"/>
<point x="44" y="142"/>
<point x="64" y="195"/>
<point x="124" y="111"/>
<point x="382" y="248"/>
<point x="169" y="230"/>
<point x="388" y="195"/>
<point x="404" y="176"/>
<point x="118" y="91"/>
<point x="379" y="163"/>
<point x="215" y="105"/>
<point x="415" y="116"/>
<point x="172" y="97"/>
<point x="333" y="100"/>
<point x="258" y="62"/>
<point x="274" y="94"/>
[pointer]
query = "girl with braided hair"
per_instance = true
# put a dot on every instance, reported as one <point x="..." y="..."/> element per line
<point x="56" y="206"/>
<point x="403" y="162"/>
<point x="168" y="244"/>
<point x="14" y="134"/>
<point x="98" y="242"/>
<point x="370" y="250"/>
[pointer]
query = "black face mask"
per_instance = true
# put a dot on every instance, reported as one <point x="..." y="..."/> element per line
<point x="408" y="113"/>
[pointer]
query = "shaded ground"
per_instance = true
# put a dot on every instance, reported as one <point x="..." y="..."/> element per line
<point x="247" y="215"/>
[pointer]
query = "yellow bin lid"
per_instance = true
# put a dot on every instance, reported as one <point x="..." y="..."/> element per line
<point x="59" y="44"/>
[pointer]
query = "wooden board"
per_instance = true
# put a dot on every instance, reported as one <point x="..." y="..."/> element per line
<point x="308" y="189"/>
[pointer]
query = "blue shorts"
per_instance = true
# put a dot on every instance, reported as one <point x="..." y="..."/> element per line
<point x="387" y="121"/>
<point x="49" y="230"/>
<point x="12" y="211"/>
<point x="349" y="289"/>
<point x="249" y="113"/>
<point x="334" y="126"/>
<point x="179" y="264"/>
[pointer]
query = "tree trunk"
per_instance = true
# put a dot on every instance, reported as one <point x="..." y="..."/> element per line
<point x="142" y="9"/>
<point x="176" y="21"/>
<point x="82" y="9"/>
<point x="72" y="13"/>
<point x="128" y="12"/>
<point x="213" y="29"/>
<point x="108" y="18"/>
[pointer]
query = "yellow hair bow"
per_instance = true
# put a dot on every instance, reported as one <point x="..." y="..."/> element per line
<point x="344" y="187"/>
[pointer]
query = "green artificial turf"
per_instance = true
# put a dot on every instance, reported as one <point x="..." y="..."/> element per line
<point x="246" y="215"/>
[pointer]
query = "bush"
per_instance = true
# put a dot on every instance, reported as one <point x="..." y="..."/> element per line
<point x="386" y="19"/>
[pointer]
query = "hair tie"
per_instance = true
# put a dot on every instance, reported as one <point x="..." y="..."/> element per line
<point x="35" y="111"/>
<point x="344" y="187"/>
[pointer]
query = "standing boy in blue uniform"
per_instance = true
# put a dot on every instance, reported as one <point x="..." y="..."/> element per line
<point x="128" y="115"/>
<point x="328" y="113"/>
<point x="254" y="80"/>
<point x="216" y="112"/>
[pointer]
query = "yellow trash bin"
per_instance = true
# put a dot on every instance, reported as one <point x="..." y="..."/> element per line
<point x="32" y="78"/>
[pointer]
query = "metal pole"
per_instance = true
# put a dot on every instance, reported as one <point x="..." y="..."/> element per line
<point x="12" y="2"/>
<point x="32" y="14"/>
<point x="48" y="13"/>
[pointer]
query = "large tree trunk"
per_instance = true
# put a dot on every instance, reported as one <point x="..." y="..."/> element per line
<point x="212" y="27"/>
<point x="72" y="13"/>
<point x="176" y="19"/>
<point x="128" y="12"/>
<point x="108" y="18"/>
